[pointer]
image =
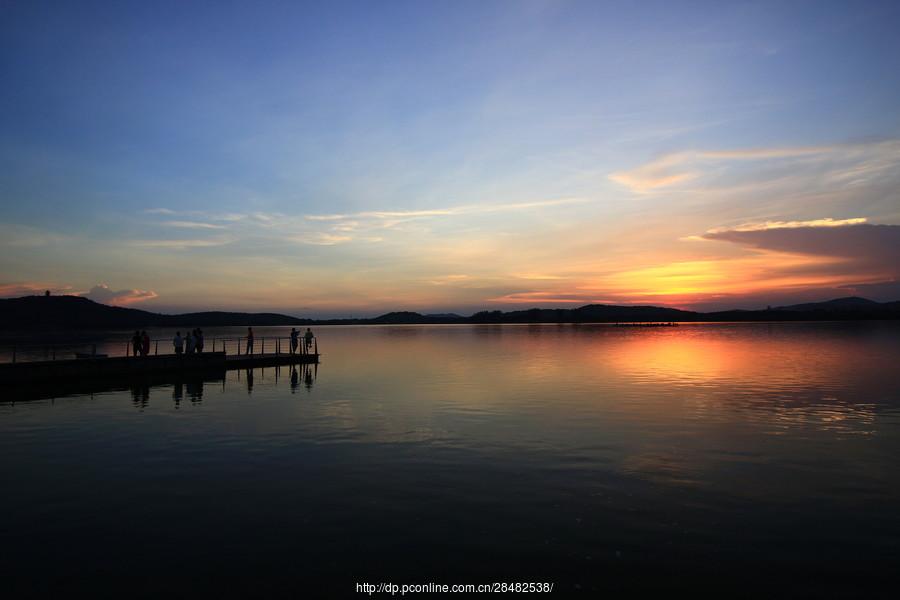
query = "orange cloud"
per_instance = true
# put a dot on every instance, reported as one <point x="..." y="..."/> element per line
<point x="827" y="222"/>
<point x="103" y="294"/>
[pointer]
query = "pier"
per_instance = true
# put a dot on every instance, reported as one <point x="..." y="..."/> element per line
<point x="94" y="366"/>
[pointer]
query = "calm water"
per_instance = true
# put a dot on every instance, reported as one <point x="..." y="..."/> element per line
<point x="742" y="459"/>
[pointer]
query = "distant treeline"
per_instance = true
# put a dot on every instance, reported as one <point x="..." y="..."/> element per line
<point x="74" y="312"/>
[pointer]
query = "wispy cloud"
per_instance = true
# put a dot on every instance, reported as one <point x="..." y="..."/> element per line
<point x="23" y="236"/>
<point x="192" y="225"/>
<point x="320" y="239"/>
<point x="466" y="209"/>
<point x="537" y="276"/>
<point x="454" y="278"/>
<point x="838" y="164"/>
<point x="346" y="227"/>
<point x="662" y="172"/>
<point x="181" y="244"/>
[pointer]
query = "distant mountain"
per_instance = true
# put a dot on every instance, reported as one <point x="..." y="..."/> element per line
<point x="399" y="318"/>
<point x="840" y="309"/>
<point x="592" y="313"/>
<point x="75" y="312"/>
<point x="841" y="304"/>
<point x="33" y="313"/>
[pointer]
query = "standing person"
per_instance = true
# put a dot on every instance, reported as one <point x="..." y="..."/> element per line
<point x="145" y="344"/>
<point x="136" y="343"/>
<point x="295" y="339"/>
<point x="191" y="342"/>
<point x="199" y="340"/>
<point x="178" y="343"/>
<point x="308" y="338"/>
<point x="249" y="341"/>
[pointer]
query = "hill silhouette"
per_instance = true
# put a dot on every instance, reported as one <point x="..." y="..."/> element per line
<point x="76" y="312"/>
<point x="33" y="313"/>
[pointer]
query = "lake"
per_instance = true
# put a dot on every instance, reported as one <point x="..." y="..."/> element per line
<point x="739" y="459"/>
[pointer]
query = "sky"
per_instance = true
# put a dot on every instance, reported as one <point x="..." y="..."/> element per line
<point x="351" y="158"/>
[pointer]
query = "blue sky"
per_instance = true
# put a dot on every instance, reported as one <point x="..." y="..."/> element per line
<point x="342" y="158"/>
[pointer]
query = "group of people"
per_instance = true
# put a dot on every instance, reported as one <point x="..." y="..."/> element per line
<point x="191" y="343"/>
<point x="140" y="344"/>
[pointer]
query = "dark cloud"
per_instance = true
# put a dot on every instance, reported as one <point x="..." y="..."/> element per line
<point x="870" y="251"/>
<point x="879" y="244"/>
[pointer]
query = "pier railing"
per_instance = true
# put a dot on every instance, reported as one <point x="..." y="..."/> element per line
<point x="34" y="352"/>
<point x="263" y="345"/>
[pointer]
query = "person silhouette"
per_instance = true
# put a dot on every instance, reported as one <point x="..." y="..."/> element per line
<point x="294" y="339"/>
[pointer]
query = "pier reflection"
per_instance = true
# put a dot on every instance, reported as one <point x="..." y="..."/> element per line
<point x="180" y="387"/>
<point x="138" y="387"/>
<point x="140" y="395"/>
<point x="306" y="374"/>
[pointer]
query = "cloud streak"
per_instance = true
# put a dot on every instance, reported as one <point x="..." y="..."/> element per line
<point x="321" y="229"/>
<point x="832" y="165"/>
<point x="181" y="244"/>
<point x="467" y="209"/>
<point x="826" y="222"/>
<point x="192" y="225"/>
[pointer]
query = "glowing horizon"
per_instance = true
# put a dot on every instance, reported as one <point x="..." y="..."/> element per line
<point x="342" y="160"/>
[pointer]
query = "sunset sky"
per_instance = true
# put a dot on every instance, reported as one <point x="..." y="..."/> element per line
<point x="337" y="159"/>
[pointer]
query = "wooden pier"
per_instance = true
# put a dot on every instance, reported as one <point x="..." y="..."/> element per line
<point x="124" y="367"/>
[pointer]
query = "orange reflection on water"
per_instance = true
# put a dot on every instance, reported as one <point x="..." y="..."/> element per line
<point x="694" y="353"/>
<point x="781" y="376"/>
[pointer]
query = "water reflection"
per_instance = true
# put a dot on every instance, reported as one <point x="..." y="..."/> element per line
<point x="582" y="450"/>
<point x="140" y="395"/>
<point x="195" y="390"/>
